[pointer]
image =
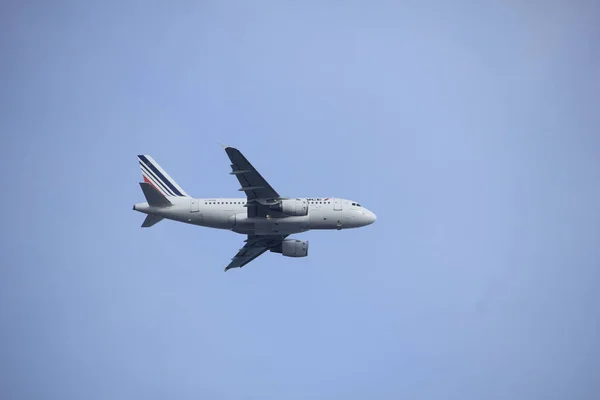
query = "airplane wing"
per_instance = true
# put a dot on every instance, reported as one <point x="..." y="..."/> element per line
<point x="254" y="247"/>
<point x="252" y="182"/>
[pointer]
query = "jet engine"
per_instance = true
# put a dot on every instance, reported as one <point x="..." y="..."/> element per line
<point x="292" y="248"/>
<point x="292" y="207"/>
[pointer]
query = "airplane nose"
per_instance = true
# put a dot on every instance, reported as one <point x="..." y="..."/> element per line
<point x="371" y="217"/>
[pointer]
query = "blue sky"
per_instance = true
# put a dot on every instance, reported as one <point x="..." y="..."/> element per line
<point x="469" y="128"/>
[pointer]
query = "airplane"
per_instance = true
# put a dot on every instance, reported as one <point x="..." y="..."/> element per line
<point x="263" y="215"/>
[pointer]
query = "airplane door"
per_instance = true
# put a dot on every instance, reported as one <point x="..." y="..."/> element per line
<point x="194" y="205"/>
<point x="337" y="204"/>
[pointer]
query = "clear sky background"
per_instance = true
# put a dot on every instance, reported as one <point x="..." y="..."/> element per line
<point x="472" y="130"/>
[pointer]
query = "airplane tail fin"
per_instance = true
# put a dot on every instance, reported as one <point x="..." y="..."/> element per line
<point x="153" y="196"/>
<point x="151" y="220"/>
<point x="157" y="177"/>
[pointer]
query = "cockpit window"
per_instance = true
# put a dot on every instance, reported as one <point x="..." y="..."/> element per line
<point x="353" y="204"/>
<point x="358" y="205"/>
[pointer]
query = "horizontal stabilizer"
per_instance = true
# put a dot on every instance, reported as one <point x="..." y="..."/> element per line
<point x="151" y="220"/>
<point x="153" y="196"/>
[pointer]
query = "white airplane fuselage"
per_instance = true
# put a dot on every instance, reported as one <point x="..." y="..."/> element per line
<point x="264" y="216"/>
<point x="231" y="214"/>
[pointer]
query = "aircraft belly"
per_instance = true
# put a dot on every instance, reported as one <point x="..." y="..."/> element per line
<point x="322" y="219"/>
<point x="269" y="226"/>
<point x="217" y="219"/>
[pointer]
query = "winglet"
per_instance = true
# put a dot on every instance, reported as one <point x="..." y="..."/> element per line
<point x="231" y="265"/>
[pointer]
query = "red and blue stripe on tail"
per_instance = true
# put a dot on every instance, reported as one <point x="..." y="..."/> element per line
<point x="158" y="178"/>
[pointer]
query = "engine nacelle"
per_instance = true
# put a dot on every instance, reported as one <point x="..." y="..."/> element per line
<point x="292" y="248"/>
<point x="292" y="207"/>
